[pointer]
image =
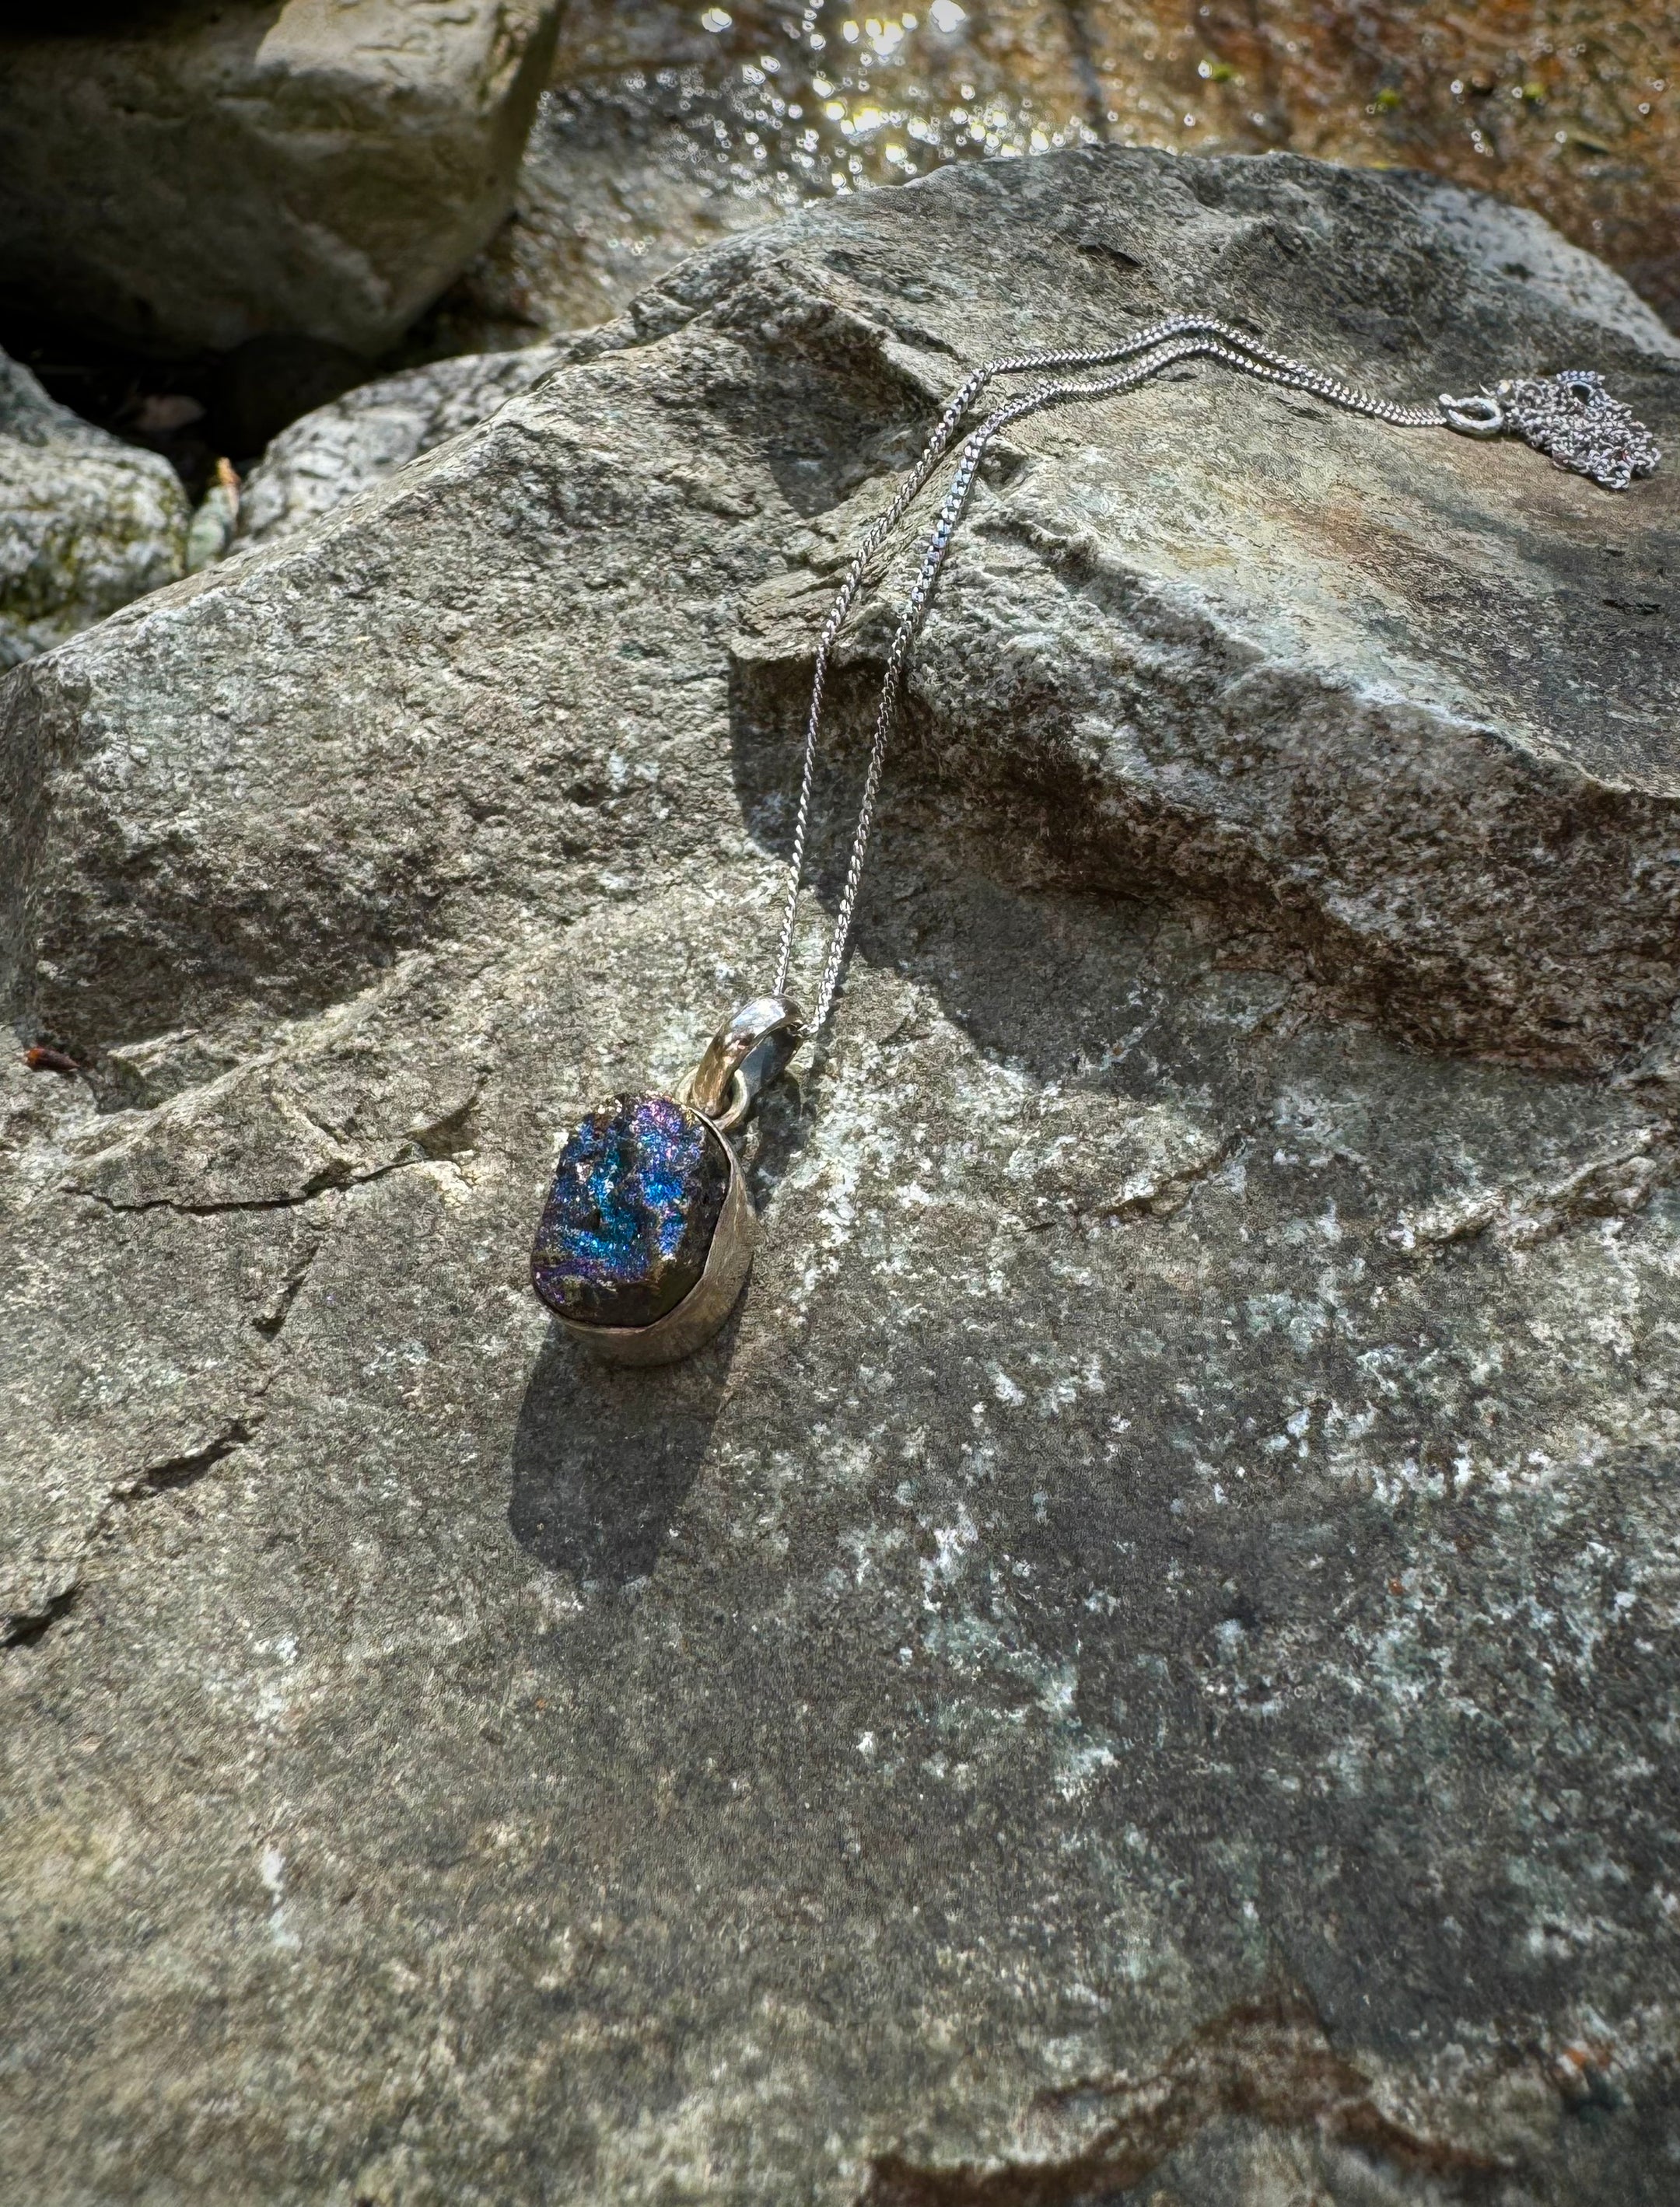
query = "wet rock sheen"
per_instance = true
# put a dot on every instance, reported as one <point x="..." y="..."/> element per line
<point x="631" y="1213"/>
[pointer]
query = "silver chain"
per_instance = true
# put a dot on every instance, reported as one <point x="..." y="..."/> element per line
<point x="1181" y="336"/>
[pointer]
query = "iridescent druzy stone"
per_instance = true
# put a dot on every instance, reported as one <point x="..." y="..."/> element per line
<point x="631" y="1214"/>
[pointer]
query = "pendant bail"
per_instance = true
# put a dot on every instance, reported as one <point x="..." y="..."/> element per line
<point x="746" y="1054"/>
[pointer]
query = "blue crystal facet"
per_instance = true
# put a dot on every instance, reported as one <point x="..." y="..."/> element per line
<point x="631" y="1213"/>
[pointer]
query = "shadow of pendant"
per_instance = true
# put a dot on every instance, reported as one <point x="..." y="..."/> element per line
<point x="603" y="1459"/>
<point x="647" y="1235"/>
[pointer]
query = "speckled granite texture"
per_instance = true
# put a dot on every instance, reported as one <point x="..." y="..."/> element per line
<point x="1142" y="1662"/>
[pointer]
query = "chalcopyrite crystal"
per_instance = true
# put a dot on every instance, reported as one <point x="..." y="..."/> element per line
<point x="631" y="1214"/>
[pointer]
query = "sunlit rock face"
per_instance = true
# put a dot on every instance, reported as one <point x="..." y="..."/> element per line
<point x="631" y="1214"/>
<point x="670" y="126"/>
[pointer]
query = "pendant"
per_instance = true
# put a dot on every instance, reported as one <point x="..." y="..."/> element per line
<point x="646" y="1239"/>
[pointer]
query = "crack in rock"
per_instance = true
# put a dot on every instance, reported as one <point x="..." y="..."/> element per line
<point x="281" y="1131"/>
<point x="1616" y="1184"/>
<point x="271" y="1319"/>
<point x="1269" y="2061"/>
<point x="26" y="1628"/>
<point x="185" y="1470"/>
<point x="332" y="1181"/>
<point x="454" y="1133"/>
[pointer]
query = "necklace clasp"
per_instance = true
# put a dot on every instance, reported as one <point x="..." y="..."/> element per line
<point x="1478" y="416"/>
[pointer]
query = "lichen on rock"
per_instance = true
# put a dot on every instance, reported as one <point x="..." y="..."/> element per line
<point x="86" y="524"/>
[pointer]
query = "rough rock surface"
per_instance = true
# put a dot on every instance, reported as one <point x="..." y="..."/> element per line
<point x="195" y="174"/>
<point x="341" y="448"/>
<point x="1146" y="1655"/>
<point x="86" y="524"/>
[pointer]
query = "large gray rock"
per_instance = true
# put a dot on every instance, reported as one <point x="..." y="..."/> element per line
<point x="86" y="523"/>
<point x="329" y="454"/>
<point x="194" y="174"/>
<point x="1146" y="1655"/>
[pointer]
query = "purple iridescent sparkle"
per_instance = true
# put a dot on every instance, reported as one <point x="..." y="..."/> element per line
<point x="631" y="1214"/>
